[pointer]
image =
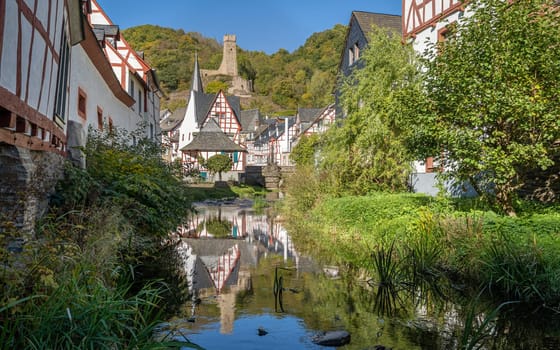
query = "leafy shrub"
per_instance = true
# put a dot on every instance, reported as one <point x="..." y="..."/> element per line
<point x="134" y="178"/>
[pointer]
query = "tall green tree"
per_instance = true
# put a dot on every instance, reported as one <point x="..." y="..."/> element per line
<point x="493" y="95"/>
<point x="367" y="151"/>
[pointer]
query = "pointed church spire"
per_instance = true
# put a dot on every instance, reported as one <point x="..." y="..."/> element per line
<point x="197" y="80"/>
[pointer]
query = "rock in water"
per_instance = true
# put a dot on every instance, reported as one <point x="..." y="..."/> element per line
<point x="333" y="338"/>
<point x="261" y="331"/>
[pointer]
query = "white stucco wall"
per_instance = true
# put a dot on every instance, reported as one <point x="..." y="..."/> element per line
<point x="84" y="75"/>
<point x="429" y="36"/>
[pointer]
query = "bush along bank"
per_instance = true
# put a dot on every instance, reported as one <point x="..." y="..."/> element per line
<point x="408" y="236"/>
<point x="97" y="274"/>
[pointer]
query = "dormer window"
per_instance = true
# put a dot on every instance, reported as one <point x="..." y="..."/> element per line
<point x="351" y="56"/>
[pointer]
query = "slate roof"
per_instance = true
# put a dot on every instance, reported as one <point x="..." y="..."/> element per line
<point x="99" y="34"/>
<point x="367" y="19"/>
<point x="235" y="103"/>
<point x="173" y="120"/>
<point x="203" y="104"/>
<point x="275" y="129"/>
<point x="197" y="80"/>
<point x="307" y="115"/>
<point x="212" y="139"/>
<point x="250" y="120"/>
<point x="306" y="126"/>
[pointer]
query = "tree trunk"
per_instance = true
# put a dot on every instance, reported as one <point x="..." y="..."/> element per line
<point x="504" y="198"/>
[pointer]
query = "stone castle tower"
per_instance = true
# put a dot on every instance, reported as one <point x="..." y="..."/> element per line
<point x="229" y="60"/>
<point x="228" y="67"/>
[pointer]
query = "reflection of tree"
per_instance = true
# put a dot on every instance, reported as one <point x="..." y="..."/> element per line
<point x="216" y="227"/>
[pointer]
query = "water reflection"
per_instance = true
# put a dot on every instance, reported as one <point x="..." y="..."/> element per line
<point x="252" y="278"/>
<point x="242" y="222"/>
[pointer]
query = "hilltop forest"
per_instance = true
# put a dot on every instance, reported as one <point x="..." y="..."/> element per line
<point x="282" y="81"/>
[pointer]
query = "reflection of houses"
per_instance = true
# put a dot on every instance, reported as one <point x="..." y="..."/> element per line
<point x="246" y="225"/>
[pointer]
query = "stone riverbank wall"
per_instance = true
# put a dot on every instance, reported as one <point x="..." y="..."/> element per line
<point x="27" y="179"/>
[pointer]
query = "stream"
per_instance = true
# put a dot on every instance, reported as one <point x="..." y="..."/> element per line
<point x="251" y="289"/>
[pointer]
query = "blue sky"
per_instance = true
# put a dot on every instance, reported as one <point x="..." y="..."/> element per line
<point x="260" y="25"/>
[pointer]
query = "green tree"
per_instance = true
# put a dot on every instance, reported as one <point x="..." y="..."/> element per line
<point x="492" y="96"/>
<point x="367" y="151"/>
<point x="215" y="86"/>
<point x="218" y="163"/>
<point x="304" y="152"/>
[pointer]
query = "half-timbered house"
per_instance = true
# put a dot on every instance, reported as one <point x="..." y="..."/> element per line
<point x="253" y="124"/>
<point x="134" y="74"/>
<point x="319" y="123"/>
<point x="259" y="150"/>
<point x="36" y="38"/>
<point x="170" y="126"/>
<point x="205" y="110"/>
<point x="274" y="144"/>
<point x="56" y="81"/>
<point x="424" y="23"/>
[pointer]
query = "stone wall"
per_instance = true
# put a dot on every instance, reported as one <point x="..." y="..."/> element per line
<point x="27" y="180"/>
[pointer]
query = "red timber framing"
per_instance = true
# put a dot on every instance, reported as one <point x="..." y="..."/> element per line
<point x="227" y="119"/>
<point x="421" y="14"/>
<point x="22" y="124"/>
<point x="123" y="51"/>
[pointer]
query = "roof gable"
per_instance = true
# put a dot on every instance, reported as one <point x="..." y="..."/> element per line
<point x="361" y="23"/>
<point x="173" y="120"/>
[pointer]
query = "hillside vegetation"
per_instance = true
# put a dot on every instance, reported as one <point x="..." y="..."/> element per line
<point x="282" y="81"/>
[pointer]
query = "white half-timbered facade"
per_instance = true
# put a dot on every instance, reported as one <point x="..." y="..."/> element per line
<point x="211" y="126"/>
<point x="36" y="37"/>
<point x="426" y="21"/>
<point x="227" y="119"/>
<point x="134" y="74"/>
<point x="217" y="132"/>
<point x="322" y="121"/>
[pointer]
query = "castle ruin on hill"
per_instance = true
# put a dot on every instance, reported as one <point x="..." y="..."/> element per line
<point x="228" y="67"/>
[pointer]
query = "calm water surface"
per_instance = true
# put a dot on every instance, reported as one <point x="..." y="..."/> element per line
<point x="252" y="289"/>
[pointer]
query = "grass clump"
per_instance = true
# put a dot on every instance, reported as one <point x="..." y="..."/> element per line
<point x="89" y="278"/>
<point x="511" y="258"/>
